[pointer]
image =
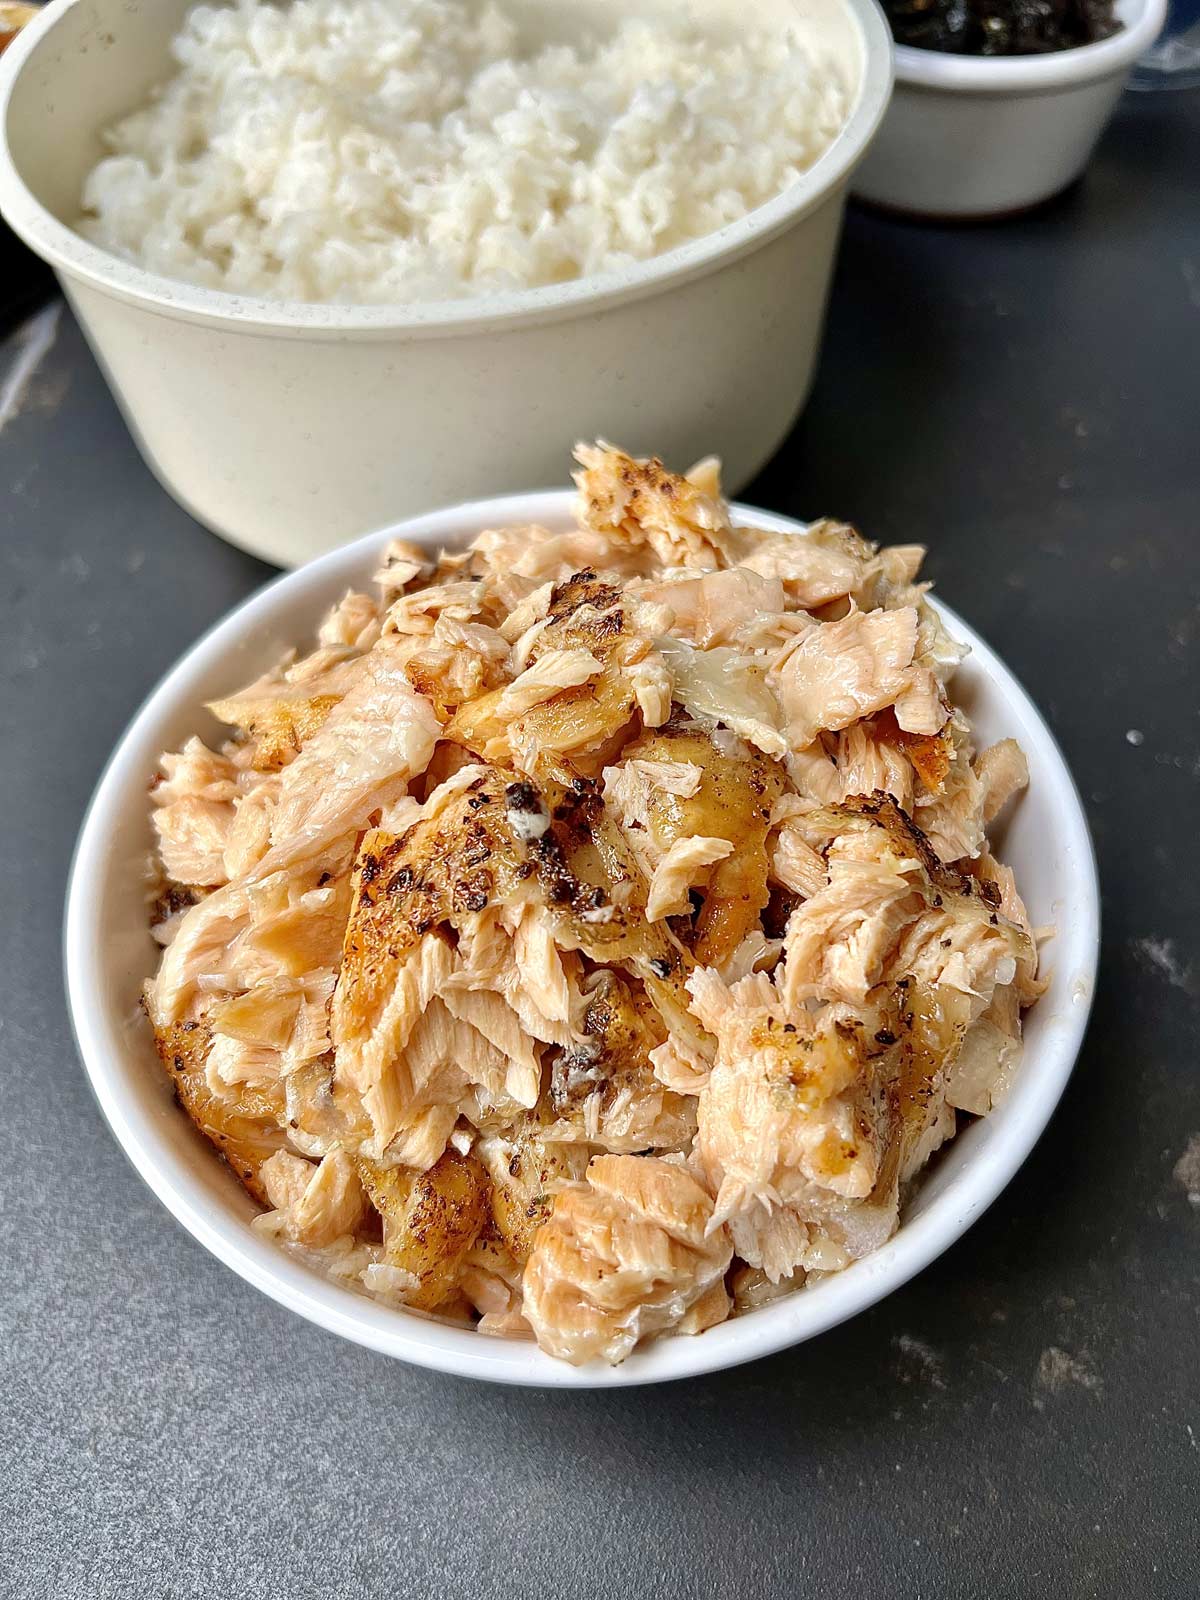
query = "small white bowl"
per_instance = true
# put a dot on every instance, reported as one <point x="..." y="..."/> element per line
<point x="290" y="428"/>
<point x="978" y="136"/>
<point x="109" y="954"/>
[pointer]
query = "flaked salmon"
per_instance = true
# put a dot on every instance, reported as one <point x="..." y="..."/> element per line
<point x="592" y="935"/>
<point x="625" y="1254"/>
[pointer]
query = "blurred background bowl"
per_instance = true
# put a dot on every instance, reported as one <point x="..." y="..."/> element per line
<point x="289" y="428"/>
<point x="977" y="136"/>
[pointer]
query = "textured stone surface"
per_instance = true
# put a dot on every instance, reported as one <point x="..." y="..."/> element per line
<point x="1023" y="1420"/>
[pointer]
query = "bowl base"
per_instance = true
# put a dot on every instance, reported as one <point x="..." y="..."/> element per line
<point x="967" y="219"/>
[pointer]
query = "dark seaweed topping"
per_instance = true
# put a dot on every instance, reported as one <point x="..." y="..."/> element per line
<point x="1000" y="27"/>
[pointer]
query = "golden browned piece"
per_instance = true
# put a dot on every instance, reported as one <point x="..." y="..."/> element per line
<point x="732" y="801"/>
<point x="930" y="754"/>
<point x="526" y="1168"/>
<point x="245" y="1131"/>
<point x="481" y="850"/>
<point x="442" y="869"/>
<point x="603" y="1089"/>
<point x="430" y="1221"/>
<point x="276" y="725"/>
<point x="586" y="615"/>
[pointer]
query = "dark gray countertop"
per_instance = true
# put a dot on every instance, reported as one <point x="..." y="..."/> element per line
<point x="1024" y="1419"/>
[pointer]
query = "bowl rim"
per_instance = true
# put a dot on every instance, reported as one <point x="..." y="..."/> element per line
<point x="424" y="1342"/>
<point x="1057" y="69"/>
<point x="69" y="252"/>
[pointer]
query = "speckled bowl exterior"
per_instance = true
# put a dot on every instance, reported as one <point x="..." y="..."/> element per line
<point x="290" y="428"/>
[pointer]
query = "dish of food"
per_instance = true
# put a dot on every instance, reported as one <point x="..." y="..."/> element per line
<point x="1001" y="27"/>
<point x="553" y="947"/>
<point x="337" y="151"/>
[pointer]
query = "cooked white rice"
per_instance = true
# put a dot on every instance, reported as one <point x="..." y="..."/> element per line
<point x="378" y="151"/>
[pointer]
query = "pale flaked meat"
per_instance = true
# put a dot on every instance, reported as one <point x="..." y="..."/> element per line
<point x="828" y="562"/>
<point x="952" y="817"/>
<point x="353" y="623"/>
<point x="279" y="712"/>
<point x="194" y="810"/>
<point x="594" y="934"/>
<point x="797" y="867"/>
<point x="378" y="737"/>
<point x="455" y="663"/>
<point x="544" y="678"/>
<point x="727" y="685"/>
<point x="588" y="636"/>
<point x="890" y="909"/>
<point x="841" y="671"/>
<point x="683" y="868"/>
<point x="790" y="1134"/>
<point x="715" y="608"/>
<point x="833" y="1083"/>
<point x="193" y="836"/>
<point x="244" y="1127"/>
<point x="319" y="1202"/>
<point x="631" y="792"/>
<point x="491" y="1282"/>
<point x="868" y="764"/>
<point x="625" y="1254"/>
<point x="490" y="842"/>
<point x="1003" y="771"/>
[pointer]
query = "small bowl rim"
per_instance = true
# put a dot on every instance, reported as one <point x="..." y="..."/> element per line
<point x="69" y="252"/>
<point x="99" y="1029"/>
<point x="1057" y="69"/>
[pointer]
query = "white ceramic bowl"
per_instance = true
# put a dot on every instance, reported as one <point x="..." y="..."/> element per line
<point x="973" y="136"/>
<point x="109" y="953"/>
<point x="290" y="428"/>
